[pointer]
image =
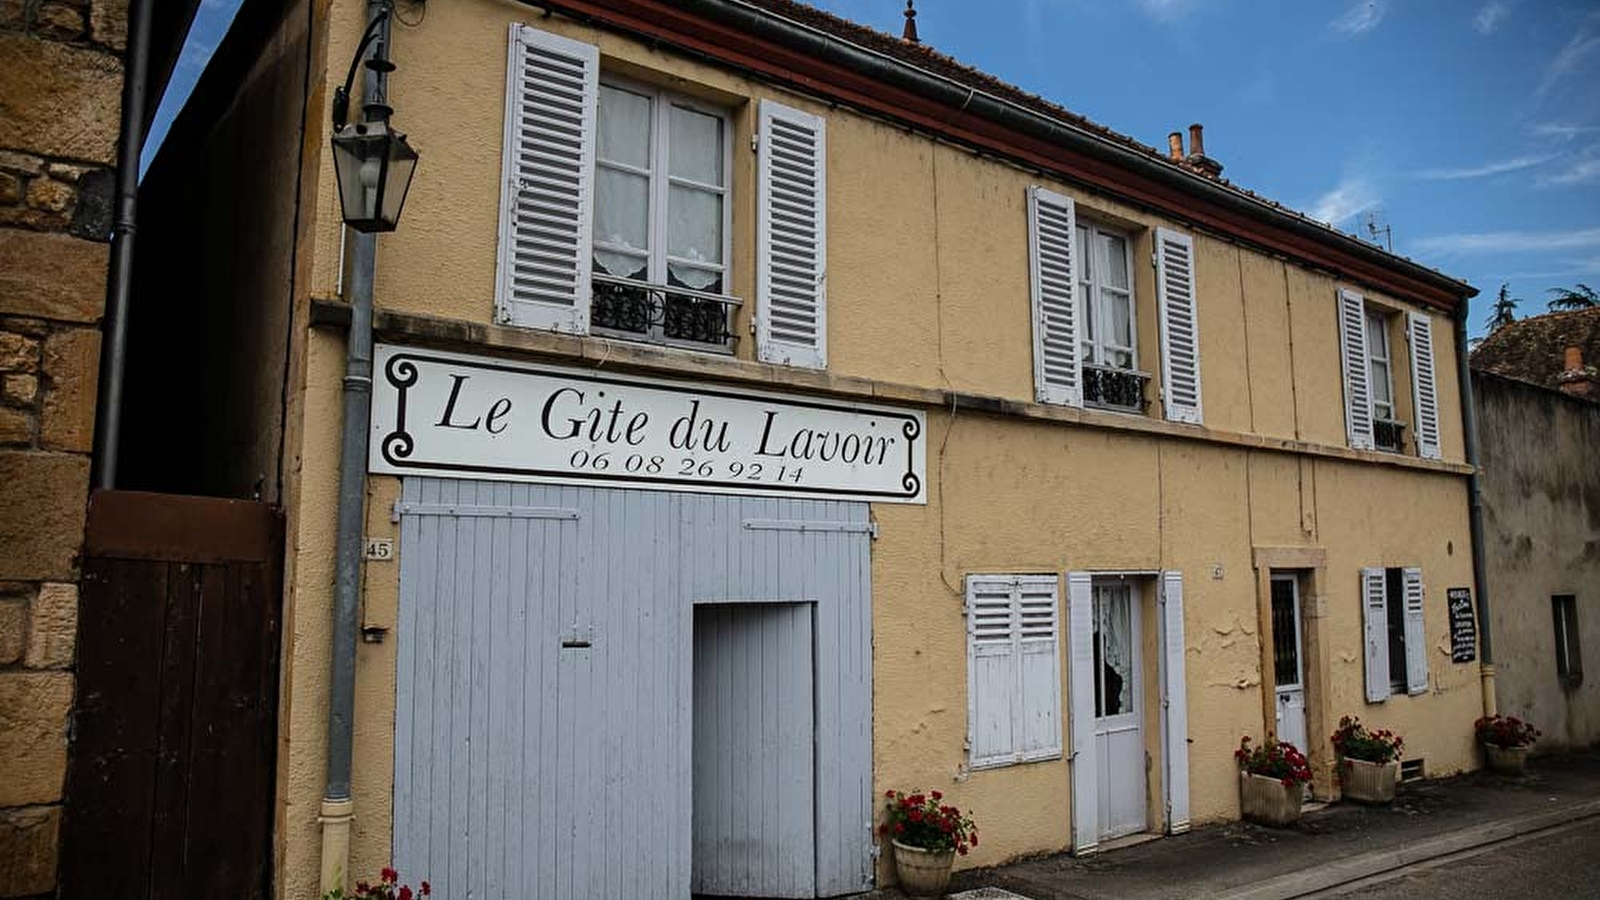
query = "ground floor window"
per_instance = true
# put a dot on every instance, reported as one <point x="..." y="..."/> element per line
<point x="1569" y="656"/>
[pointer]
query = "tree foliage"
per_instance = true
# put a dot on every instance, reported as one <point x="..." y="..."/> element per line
<point x="1504" y="311"/>
<point x="1582" y="297"/>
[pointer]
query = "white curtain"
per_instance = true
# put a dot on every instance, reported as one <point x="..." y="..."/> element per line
<point x="1113" y="620"/>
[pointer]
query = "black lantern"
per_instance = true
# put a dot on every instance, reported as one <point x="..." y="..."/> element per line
<point x="374" y="165"/>
<point x="372" y="161"/>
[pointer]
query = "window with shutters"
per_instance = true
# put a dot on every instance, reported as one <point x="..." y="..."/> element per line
<point x="661" y="217"/>
<point x="1393" y="605"/>
<point x="1108" y="336"/>
<point x="1013" y="669"/>
<point x="1377" y="405"/>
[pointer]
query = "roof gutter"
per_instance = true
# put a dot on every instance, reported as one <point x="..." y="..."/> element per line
<point x="964" y="100"/>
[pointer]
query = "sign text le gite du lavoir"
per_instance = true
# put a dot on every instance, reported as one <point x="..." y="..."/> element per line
<point x="447" y="414"/>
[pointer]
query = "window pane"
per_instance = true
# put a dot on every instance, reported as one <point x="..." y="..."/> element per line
<point x="694" y="224"/>
<point x="1394" y="592"/>
<point x="1382" y="386"/>
<point x="621" y="209"/>
<point x="1114" y="642"/>
<point x="694" y="146"/>
<point x="1119" y="319"/>
<point x="623" y="123"/>
<point x="1377" y="336"/>
<point x="694" y="278"/>
<point x="1113" y="261"/>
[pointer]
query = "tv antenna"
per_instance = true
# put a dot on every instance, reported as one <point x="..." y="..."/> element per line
<point x="1376" y="226"/>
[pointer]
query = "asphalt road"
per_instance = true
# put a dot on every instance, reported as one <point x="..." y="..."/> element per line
<point x="1560" y="863"/>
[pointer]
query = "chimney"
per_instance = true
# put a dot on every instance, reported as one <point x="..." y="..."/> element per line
<point x="1197" y="160"/>
<point x="1576" y="379"/>
<point x="910" y="34"/>
<point x="1175" y="146"/>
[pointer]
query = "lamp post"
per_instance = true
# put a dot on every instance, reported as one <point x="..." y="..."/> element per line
<point x="372" y="161"/>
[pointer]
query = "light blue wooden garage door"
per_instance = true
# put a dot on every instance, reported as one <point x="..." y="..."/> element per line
<point x="544" y="701"/>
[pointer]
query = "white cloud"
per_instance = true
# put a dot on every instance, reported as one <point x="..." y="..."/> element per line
<point x="1352" y="196"/>
<point x="1509" y="242"/>
<point x="1579" y="171"/>
<point x="1486" y="169"/>
<point x="1360" y="18"/>
<point x="1562" y="130"/>
<point x="1489" y="16"/>
<point x="1569" y="59"/>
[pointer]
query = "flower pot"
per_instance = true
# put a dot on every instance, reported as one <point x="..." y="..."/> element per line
<point x="1506" y="760"/>
<point x="1369" y="782"/>
<point x="1268" y="800"/>
<point x="923" y="873"/>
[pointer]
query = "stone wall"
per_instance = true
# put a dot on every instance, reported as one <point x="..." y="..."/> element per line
<point x="60" y="94"/>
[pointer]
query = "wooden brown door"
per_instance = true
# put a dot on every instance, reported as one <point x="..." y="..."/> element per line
<point x="170" y="774"/>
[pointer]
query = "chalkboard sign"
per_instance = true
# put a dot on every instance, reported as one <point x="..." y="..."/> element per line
<point x="1463" y="627"/>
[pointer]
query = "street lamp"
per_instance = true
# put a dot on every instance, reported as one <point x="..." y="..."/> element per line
<point x="373" y="162"/>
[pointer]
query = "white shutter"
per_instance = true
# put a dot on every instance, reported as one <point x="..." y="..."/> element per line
<point x="547" y="194"/>
<point x="1053" y="275"/>
<point x="1013" y="669"/>
<point x="1357" y="380"/>
<point x="1039" y="667"/>
<point x="1174" y="703"/>
<point x="1416" y="640"/>
<point x="1424" y="391"/>
<point x="1085" y="784"/>
<point x="791" y="238"/>
<point x="1375" y="618"/>
<point x="991" y="671"/>
<point x="1180" y="334"/>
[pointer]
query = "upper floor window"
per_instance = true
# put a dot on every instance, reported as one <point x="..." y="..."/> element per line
<point x="615" y="211"/>
<point x="1105" y="291"/>
<point x="1369" y="361"/>
<point x="660" y="215"/>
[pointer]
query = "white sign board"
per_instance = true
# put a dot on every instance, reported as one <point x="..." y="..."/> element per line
<point x="447" y="414"/>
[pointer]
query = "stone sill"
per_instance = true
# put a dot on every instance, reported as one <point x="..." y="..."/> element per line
<point x="464" y="336"/>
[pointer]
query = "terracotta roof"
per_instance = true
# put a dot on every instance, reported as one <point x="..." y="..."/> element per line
<point x="930" y="60"/>
<point x="1532" y="349"/>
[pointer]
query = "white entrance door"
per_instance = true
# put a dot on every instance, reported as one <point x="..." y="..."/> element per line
<point x="1118" y="710"/>
<point x="1287" y="660"/>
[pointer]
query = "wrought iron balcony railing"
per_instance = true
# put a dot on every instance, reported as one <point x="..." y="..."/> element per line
<point x="660" y="314"/>
<point x="1388" y="434"/>
<point x="1108" y="387"/>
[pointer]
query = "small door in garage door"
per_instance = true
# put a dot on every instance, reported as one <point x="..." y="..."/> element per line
<point x="754" y="786"/>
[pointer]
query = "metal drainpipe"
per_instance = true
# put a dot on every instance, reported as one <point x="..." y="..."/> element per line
<point x="119" y="289"/>
<point x="338" y="806"/>
<point x="1480" y="578"/>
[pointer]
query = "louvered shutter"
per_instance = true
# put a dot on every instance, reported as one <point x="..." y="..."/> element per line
<point x="1053" y="276"/>
<point x="1416" y="646"/>
<point x="1180" y="334"/>
<point x="547" y="194"/>
<point x="1085" y="784"/>
<point x="1039" y="667"/>
<point x="1357" y="379"/>
<point x="1375" y="618"/>
<point x="1175" y="703"/>
<point x="991" y="671"/>
<point x="791" y="239"/>
<point x="1424" y="390"/>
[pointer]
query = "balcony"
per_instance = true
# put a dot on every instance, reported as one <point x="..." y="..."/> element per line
<point x="659" y="314"/>
<point x="1388" y="434"/>
<point x="1108" y="387"/>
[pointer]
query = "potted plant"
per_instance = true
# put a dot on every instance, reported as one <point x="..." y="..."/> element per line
<point x="1270" y="779"/>
<point x="1506" y="741"/>
<point x="387" y="888"/>
<point x="926" y="835"/>
<point x="1369" y="761"/>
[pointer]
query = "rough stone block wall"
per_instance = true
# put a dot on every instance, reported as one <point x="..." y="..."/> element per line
<point x="60" y="96"/>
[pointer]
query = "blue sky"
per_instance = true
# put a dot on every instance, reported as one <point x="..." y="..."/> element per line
<point x="1471" y="127"/>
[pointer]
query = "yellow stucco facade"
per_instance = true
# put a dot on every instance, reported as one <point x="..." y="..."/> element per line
<point x="928" y="306"/>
